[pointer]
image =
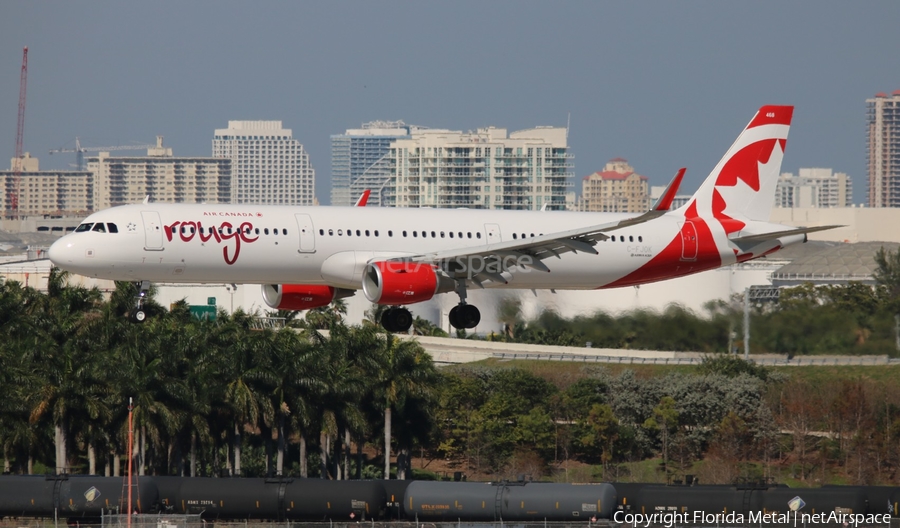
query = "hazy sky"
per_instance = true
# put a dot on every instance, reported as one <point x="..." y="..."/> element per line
<point x="663" y="84"/>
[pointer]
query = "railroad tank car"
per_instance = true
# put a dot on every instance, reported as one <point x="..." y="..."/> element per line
<point x="73" y="496"/>
<point x="688" y="499"/>
<point x="274" y="499"/>
<point x="490" y="501"/>
<point x="317" y="499"/>
<point x="227" y="498"/>
<point x="878" y="497"/>
<point x="817" y="500"/>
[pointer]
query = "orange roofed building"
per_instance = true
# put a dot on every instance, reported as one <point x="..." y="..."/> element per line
<point x="615" y="189"/>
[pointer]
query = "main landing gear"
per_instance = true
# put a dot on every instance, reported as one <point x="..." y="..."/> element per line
<point x="139" y="315"/>
<point x="463" y="315"/>
<point x="396" y="319"/>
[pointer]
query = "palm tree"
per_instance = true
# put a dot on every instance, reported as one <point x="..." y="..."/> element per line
<point x="404" y="371"/>
<point x="70" y="379"/>
<point x="247" y="373"/>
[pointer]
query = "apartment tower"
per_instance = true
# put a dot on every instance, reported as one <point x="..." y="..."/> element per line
<point x="485" y="169"/>
<point x="883" y="149"/>
<point x="268" y="166"/>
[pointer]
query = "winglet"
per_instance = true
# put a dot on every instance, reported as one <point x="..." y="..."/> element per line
<point x="147" y="199"/>
<point x="668" y="196"/>
<point x="363" y="199"/>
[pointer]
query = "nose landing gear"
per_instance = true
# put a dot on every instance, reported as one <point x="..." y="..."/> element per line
<point x="139" y="315"/>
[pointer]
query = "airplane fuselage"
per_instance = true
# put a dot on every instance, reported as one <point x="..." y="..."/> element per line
<point x="253" y="244"/>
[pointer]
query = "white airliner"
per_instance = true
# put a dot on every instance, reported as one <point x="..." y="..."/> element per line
<point x="306" y="257"/>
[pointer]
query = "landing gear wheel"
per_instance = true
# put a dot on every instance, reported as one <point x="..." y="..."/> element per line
<point x="464" y="316"/>
<point x="138" y="316"/>
<point x="398" y="320"/>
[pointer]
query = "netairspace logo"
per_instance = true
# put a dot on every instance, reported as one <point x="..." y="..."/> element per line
<point x="702" y="518"/>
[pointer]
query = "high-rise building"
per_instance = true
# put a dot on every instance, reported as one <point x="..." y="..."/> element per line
<point x="46" y="192"/>
<point x="360" y="160"/>
<point x="883" y="145"/>
<point x="268" y="166"/>
<point x="486" y="169"/>
<point x="159" y="176"/>
<point x="814" y="188"/>
<point x="615" y="189"/>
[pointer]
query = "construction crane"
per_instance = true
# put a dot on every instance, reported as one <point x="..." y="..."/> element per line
<point x="20" y="135"/>
<point x="79" y="151"/>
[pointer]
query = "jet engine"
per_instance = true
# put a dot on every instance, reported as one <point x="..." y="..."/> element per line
<point x="396" y="282"/>
<point x="301" y="296"/>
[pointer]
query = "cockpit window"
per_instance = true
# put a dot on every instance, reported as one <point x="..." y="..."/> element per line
<point x="112" y="228"/>
<point x="84" y="227"/>
<point x="99" y="227"/>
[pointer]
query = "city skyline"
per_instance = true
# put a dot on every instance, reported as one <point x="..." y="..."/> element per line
<point x="662" y="87"/>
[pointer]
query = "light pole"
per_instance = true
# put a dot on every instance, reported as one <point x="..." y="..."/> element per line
<point x="231" y="289"/>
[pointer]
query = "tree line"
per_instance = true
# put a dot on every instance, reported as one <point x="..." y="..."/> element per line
<point x="843" y="319"/>
<point x="208" y="397"/>
<point x="321" y="398"/>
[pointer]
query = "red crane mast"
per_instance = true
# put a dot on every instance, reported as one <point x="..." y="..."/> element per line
<point x="20" y="134"/>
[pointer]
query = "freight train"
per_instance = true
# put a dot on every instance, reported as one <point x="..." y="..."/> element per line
<point x="85" y="498"/>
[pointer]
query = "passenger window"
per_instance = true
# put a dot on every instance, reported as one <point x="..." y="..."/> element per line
<point x="367" y="232"/>
<point x="112" y="228"/>
<point x="640" y="239"/>
<point x="631" y="239"/>
<point x="404" y="234"/>
<point x="614" y="238"/>
<point x="460" y="234"/>
<point x="284" y="231"/>
<point x="433" y="235"/>
<point x="357" y="233"/>
<point x="266" y="230"/>
<point x="424" y="234"/>
<point x="322" y="232"/>
<point x="469" y="234"/>
<point x="99" y="227"/>
<point x="376" y="232"/>
<point x="514" y="236"/>
<point x="340" y="232"/>
<point x="349" y="232"/>
<point x="442" y="234"/>
<point x="478" y="235"/>
<point x="330" y="232"/>
<point x="83" y="227"/>
<point x="390" y="233"/>
<point x="256" y="231"/>
<point x="415" y="234"/>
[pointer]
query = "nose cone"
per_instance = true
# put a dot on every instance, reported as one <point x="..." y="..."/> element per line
<point x="60" y="252"/>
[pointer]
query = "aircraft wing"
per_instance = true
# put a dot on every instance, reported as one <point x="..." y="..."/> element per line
<point x="523" y="253"/>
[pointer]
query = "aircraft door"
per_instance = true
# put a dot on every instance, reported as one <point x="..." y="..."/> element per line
<point x="492" y="231"/>
<point x="307" y="234"/>
<point x="688" y="241"/>
<point x="153" y="235"/>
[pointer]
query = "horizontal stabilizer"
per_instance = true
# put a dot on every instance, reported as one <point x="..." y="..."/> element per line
<point x="778" y="234"/>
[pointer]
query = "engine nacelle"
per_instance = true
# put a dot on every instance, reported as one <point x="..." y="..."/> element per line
<point x="393" y="282"/>
<point x="298" y="296"/>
